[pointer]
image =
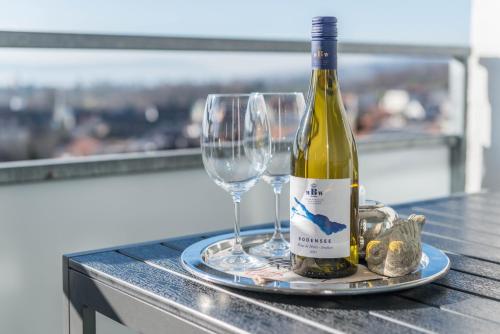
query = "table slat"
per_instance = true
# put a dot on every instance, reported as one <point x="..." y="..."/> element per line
<point x="211" y="306"/>
<point x="473" y="284"/>
<point x="473" y="220"/>
<point x="460" y="247"/>
<point x="461" y="223"/>
<point x="472" y="236"/>
<point x="412" y="313"/>
<point x="320" y="310"/>
<point x="456" y="301"/>
<point x="475" y="266"/>
<point x="427" y="317"/>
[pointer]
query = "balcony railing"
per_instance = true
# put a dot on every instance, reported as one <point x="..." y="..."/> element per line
<point x="19" y="39"/>
<point x="141" y="162"/>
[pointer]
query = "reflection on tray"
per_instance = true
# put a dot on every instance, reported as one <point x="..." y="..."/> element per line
<point x="280" y="270"/>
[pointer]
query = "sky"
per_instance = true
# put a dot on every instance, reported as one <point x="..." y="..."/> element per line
<point x="434" y="22"/>
<point x="423" y="21"/>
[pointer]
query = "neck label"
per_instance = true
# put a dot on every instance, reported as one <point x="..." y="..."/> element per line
<point x="324" y="54"/>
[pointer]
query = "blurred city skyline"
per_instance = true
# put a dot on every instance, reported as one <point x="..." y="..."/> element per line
<point x="58" y="103"/>
<point x="37" y="122"/>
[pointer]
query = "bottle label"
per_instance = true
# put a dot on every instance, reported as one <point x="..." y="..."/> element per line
<point x="320" y="217"/>
<point x="324" y="54"/>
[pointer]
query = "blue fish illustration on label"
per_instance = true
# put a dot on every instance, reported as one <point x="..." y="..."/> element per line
<point x="326" y="225"/>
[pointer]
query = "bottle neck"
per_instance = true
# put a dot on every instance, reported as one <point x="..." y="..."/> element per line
<point x="324" y="55"/>
<point x="324" y="78"/>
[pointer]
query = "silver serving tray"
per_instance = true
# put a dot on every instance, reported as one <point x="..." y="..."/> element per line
<point x="434" y="264"/>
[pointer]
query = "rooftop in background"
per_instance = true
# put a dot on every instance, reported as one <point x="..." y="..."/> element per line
<point x="79" y="107"/>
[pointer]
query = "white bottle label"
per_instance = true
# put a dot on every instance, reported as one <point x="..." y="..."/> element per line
<point x="320" y="217"/>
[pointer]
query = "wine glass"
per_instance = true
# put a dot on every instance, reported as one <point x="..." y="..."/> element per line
<point x="284" y="111"/>
<point x="235" y="146"/>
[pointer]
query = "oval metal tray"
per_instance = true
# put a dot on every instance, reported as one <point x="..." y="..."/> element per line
<point x="434" y="264"/>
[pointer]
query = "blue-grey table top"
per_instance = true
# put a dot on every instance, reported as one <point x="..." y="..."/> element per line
<point x="466" y="300"/>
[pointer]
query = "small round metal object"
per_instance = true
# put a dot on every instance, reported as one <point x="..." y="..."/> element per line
<point x="434" y="265"/>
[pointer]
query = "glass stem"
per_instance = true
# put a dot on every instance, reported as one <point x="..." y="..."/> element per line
<point x="237" y="247"/>
<point x="277" y="223"/>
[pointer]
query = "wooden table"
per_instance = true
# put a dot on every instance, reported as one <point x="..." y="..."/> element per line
<point x="145" y="288"/>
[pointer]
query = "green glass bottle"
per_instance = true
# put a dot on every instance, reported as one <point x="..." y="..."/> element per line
<point x="324" y="171"/>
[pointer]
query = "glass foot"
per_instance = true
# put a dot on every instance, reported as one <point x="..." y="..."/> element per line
<point x="275" y="247"/>
<point x="236" y="262"/>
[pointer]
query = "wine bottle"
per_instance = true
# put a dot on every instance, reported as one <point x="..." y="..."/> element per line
<point x="324" y="171"/>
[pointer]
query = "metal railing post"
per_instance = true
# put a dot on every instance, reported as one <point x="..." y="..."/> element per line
<point x="458" y="152"/>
